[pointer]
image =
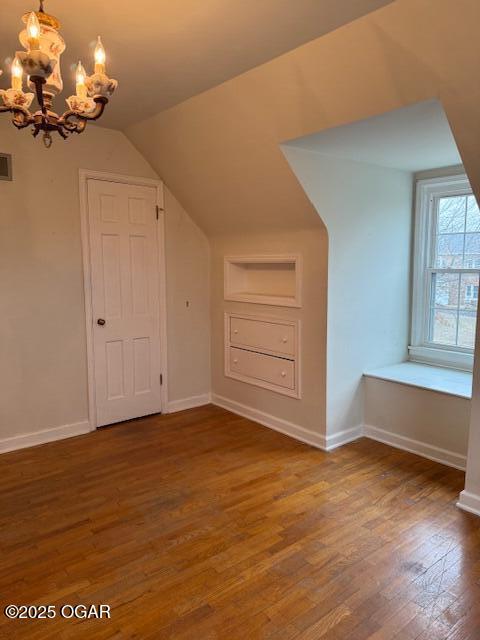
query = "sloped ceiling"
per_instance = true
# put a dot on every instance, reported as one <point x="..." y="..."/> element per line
<point x="219" y="151"/>
<point x="163" y="52"/>
<point x="413" y="138"/>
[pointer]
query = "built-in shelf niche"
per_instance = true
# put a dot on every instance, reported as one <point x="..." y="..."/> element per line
<point x="274" y="280"/>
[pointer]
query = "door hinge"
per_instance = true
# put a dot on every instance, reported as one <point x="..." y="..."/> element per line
<point x="161" y="379"/>
<point x="157" y="210"/>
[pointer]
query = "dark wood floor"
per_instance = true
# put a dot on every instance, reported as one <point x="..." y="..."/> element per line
<point x="202" y="525"/>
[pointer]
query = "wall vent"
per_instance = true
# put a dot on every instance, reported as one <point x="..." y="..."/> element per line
<point x="5" y="166"/>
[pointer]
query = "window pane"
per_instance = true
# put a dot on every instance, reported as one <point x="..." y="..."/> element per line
<point x="473" y="215"/>
<point x="449" y="251"/>
<point x="472" y="250"/>
<point x="451" y="214"/>
<point x="445" y="290"/>
<point x="444" y="327"/>
<point x="454" y="303"/>
<point x="466" y="328"/>
<point x="468" y="291"/>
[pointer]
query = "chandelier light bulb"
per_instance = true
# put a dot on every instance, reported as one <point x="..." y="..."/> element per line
<point x="33" y="32"/>
<point x="17" y="74"/>
<point x="100" y="57"/>
<point x="81" y="76"/>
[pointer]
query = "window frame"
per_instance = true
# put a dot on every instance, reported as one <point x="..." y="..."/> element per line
<point x="428" y="191"/>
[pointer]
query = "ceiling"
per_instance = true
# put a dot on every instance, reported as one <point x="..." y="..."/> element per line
<point x="414" y="138"/>
<point x="164" y="52"/>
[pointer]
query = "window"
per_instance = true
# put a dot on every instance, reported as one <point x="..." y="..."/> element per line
<point x="471" y="293"/>
<point x="446" y="272"/>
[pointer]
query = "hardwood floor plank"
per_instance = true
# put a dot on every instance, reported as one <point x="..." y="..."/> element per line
<point x="202" y="524"/>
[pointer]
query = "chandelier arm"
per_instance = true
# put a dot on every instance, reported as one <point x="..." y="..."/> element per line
<point x="75" y="122"/>
<point x="71" y="122"/>
<point x="100" y="104"/>
<point x="22" y="118"/>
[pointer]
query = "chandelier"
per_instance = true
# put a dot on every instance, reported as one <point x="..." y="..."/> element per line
<point x="40" y="63"/>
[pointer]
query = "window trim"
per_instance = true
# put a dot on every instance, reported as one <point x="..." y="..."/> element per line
<point x="420" y="349"/>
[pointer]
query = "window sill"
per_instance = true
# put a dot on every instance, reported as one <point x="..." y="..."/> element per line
<point x="424" y="376"/>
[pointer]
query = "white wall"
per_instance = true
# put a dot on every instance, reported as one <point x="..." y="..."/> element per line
<point x="188" y="303"/>
<point x="42" y="320"/>
<point x="425" y="421"/>
<point x="304" y="417"/>
<point x="368" y="211"/>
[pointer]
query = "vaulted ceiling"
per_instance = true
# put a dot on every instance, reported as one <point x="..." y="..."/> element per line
<point x="164" y="52"/>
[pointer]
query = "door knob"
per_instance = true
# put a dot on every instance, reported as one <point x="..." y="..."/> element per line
<point x="101" y="322"/>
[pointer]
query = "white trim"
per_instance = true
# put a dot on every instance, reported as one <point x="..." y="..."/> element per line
<point x="317" y="440"/>
<point x="277" y="424"/>
<point x="333" y="441"/>
<point x="469" y="502"/>
<point x="441" y="358"/>
<point x="47" y="435"/>
<point x="341" y="438"/>
<point x="421" y="350"/>
<point x="188" y="403"/>
<point x="84" y="176"/>
<point x="429" y="451"/>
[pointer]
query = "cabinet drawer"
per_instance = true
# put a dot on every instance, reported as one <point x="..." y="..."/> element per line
<point x="263" y="335"/>
<point x="276" y="371"/>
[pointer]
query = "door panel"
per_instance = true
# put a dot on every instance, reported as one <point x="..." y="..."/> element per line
<point x="141" y="354"/>
<point x="112" y="286"/>
<point x="125" y="293"/>
<point x="115" y="366"/>
<point x="139" y="270"/>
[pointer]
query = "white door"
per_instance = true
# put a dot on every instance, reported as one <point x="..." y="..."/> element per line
<point x="125" y="300"/>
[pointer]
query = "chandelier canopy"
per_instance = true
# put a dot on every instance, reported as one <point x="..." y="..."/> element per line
<point x="40" y="63"/>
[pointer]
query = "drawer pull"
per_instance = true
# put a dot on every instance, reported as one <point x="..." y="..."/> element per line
<point x="235" y="331"/>
<point x="235" y="361"/>
<point x="285" y="340"/>
<point x="284" y="373"/>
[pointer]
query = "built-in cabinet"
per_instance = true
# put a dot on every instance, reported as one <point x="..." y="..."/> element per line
<point x="263" y="351"/>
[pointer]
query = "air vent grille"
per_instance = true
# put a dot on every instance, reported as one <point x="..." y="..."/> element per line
<point x="5" y="166"/>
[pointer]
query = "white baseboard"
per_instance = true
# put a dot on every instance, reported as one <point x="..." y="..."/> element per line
<point x="188" y="403"/>
<point x="277" y="424"/>
<point x="42" y="437"/>
<point x="449" y="458"/>
<point x="336" y="440"/>
<point x="469" y="502"/>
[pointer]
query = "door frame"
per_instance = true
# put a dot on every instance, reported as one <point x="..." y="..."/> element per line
<point x="85" y="175"/>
